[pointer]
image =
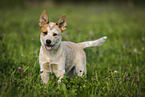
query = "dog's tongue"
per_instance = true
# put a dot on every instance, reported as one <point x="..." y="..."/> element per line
<point x="47" y="47"/>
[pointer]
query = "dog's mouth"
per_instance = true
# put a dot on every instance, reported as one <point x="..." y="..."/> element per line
<point x="49" y="47"/>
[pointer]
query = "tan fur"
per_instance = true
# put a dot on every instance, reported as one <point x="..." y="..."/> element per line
<point x="63" y="57"/>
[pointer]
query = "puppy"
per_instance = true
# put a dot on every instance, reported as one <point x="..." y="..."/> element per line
<point x="61" y="57"/>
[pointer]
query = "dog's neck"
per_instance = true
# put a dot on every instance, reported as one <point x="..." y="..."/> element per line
<point x="53" y="54"/>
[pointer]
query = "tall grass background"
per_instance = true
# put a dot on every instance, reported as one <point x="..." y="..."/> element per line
<point x="117" y="68"/>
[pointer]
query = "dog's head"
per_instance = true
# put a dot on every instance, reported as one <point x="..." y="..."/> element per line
<point x="51" y="32"/>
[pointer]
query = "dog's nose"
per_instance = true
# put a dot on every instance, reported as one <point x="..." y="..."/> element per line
<point x="48" y="41"/>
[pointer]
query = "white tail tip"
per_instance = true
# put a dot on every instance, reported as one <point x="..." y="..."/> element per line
<point x="105" y="37"/>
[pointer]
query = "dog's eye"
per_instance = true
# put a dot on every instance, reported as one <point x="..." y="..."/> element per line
<point x="54" y="34"/>
<point x="45" y="33"/>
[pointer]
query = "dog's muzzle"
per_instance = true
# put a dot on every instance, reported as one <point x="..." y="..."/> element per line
<point x="48" y="45"/>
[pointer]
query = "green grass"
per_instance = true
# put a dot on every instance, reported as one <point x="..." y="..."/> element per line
<point x="123" y="51"/>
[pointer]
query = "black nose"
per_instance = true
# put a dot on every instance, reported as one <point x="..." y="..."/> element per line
<point x="48" y="41"/>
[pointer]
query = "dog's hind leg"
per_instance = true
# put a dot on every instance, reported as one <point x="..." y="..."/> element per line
<point x="80" y="70"/>
<point x="80" y="63"/>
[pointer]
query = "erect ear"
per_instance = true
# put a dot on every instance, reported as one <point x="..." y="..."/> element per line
<point x="43" y="19"/>
<point x="62" y="23"/>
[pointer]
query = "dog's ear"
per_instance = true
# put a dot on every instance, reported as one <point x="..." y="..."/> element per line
<point x="43" y="19"/>
<point x="62" y="23"/>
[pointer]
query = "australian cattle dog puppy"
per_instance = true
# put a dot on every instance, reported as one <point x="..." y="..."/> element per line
<point x="61" y="57"/>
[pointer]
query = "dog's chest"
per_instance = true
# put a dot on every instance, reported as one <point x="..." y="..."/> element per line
<point x="51" y="61"/>
<point x="48" y="64"/>
<point x="50" y="67"/>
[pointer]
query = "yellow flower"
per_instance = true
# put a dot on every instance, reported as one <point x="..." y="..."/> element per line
<point x="58" y="92"/>
<point x="130" y="65"/>
<point x="32" y="68"/>
<point x="105" y="94"/>
<point x="75" y="93"/>
<point x="117" y="90"/>
<point x="120" y="87"/>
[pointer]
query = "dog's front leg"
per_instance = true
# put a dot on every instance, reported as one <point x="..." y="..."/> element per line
<point x="45" y="77"/>
<point x="59" y="71"/>
<point x="60" y="74"/>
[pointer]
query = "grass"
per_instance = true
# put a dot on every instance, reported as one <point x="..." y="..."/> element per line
<point x="114" y="69"/>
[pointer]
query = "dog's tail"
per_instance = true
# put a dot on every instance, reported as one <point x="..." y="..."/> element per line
<point x="94" y="43"/>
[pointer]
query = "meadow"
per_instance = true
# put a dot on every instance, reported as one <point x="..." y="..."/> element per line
<point x="117" y="68"/>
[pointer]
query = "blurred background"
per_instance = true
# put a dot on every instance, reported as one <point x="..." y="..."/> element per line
<point x="24" y="3"/>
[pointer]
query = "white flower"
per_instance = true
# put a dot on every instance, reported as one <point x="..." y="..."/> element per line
<point x="115" y="71"/>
